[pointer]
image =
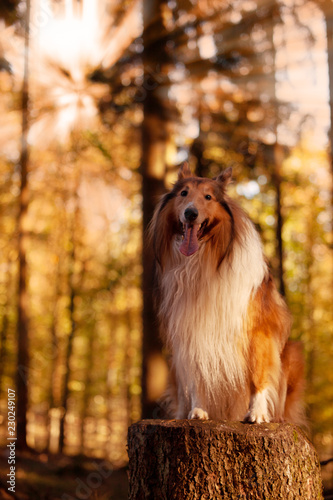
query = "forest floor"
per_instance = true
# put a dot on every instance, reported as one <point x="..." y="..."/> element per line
<point x="48" y="477"/>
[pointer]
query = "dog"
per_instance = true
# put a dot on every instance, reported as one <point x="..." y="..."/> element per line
<point x="221" y="317"/>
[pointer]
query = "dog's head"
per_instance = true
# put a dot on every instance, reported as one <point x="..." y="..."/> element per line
<point x="200" y="206"/>
<point x="196" y="210"/>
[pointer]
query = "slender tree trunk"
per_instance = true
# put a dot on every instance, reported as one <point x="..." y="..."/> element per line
<point x="87" y="386"/>
<point x="278" y="156"/>
<point x="153" y="168"/>
<point x="126" y="368"/>
<point x="3" y="341"/>
<point x="22" y="315"/>
<point x="329" y="30"/>
<point x="65" y="394"/>
<point x="73" y="286"/>
<point x="55" y="389"/>
<point x="111" y="380"/>
<point x="55" y="360"/>
<point x="311" y="340"/>
<point x="4" y="326"/>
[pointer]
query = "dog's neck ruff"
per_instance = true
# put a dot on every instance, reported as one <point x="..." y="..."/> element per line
<point x="203" y="310"/>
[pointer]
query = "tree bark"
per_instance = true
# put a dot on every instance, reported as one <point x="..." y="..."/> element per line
<point x="210" y="460"/>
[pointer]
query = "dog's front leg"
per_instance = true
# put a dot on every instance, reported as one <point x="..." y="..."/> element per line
<point x="197" y="407"/>
<point x="265" y="371"/>
<point x="258" y="408"/>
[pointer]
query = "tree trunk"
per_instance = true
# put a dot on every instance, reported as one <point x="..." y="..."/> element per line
<point x="209" y="460"/>
<point x="327" y="9"/>
<point x="74" y="283"/>
<point x="277" y="180"/>
<point x="69" y="351"/>
<point x="153" y="169"/>
<point x="4" y="328"/>
<point x="22" y="317"/>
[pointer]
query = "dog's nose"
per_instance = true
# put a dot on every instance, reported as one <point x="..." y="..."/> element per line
<point x="191" y="214"/>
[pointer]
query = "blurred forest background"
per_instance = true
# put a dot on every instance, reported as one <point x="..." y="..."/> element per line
<point x="100" y="101"/>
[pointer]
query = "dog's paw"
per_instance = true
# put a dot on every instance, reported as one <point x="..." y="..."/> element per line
<point x="255" y="417"/>
<point x="198" y="413"/>
<point x="258" y="411"/>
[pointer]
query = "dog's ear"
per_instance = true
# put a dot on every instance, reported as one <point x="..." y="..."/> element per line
<point x="225" y="177"/>
<point x="184" y="171"/>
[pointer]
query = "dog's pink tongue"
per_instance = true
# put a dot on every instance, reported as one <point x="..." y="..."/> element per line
<point x="190" y="242"/>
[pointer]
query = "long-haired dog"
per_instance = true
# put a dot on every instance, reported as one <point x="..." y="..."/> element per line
<point x="221" y="316"/>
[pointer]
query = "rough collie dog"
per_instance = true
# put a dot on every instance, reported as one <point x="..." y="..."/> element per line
<point x="220" y="314"/>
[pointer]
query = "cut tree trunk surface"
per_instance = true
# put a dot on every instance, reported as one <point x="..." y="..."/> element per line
<point x="208" y="460"/>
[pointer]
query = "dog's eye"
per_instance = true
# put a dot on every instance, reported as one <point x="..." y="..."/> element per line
<point x="183" y="193"/>
<point x="208" y="197"/>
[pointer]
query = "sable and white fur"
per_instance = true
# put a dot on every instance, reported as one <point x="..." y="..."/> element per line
<point x="221" y="317"/>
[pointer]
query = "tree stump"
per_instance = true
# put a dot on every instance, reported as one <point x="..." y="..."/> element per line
<point x="210" y="460"/>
